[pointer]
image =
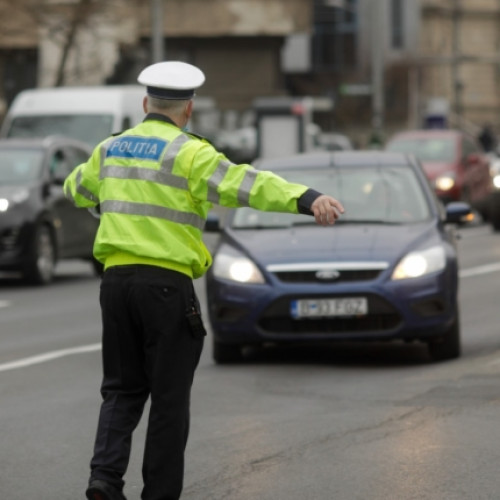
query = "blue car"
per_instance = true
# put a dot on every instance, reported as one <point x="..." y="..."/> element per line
<point x="387" y="270"/>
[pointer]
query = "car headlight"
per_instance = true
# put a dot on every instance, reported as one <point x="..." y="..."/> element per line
<point x="445" y="182"/>
<point x="420" y="263"/>
<point x="495" y="173"/>
<point x="232" y="265"/>
<point x="494" y="167"/>
<point x="16" y="197"/>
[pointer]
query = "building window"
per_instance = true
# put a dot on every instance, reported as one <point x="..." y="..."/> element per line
<point x="334" y="39"/>
<point x="397" y="27"/>
<point x="18" y="71"/>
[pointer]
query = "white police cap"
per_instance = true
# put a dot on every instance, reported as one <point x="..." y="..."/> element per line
<point x="171" y="80"/>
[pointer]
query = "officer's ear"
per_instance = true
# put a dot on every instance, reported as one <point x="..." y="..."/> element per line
<point x="145" y="104"/>
<point x="189" y="108"/>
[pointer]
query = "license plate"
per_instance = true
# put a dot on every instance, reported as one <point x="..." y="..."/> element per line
<point x="324" y="308"/>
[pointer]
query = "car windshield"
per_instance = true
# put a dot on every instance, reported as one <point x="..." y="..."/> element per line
<point x="427" y="149"/>
<point x="91" y="129"/>
<point x="378" y="195"/>
<point x="20" y="166"/>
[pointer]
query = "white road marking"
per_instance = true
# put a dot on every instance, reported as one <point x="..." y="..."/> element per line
<point x="476" y="271"/>
<point x="48" y="356"/>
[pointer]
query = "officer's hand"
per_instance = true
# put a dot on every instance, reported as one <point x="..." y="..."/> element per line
<point x="326" y="209"/>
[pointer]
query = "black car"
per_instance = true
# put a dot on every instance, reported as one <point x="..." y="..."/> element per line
<point x="38" y="225"/>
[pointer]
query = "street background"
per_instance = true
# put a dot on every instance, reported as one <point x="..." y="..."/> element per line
<point x="346" y="422"/>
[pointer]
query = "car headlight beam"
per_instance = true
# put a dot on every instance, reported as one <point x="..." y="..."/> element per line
<point x="4" y="204"/>
<point x="236" y="267"/>
<point x="420" y="263"/>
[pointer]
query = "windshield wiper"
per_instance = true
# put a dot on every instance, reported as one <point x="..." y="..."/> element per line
<point x="341" y="220"/>
<point x="369" y="221"/>
<point x="262" y="226"/>
<point x="312" y="222"/>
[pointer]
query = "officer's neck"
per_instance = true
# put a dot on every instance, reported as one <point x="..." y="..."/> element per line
<point x="164" y="118"/>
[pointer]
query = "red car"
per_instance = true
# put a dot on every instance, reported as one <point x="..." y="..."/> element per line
<point x="453" y="162"/>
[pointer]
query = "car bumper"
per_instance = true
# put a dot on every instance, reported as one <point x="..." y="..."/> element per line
<point x="14" y="245"/>
<point x="449" y="195"/>
<point x="412" y="309"/>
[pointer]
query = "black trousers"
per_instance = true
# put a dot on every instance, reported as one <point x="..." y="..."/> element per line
<point x="148" y="349"/>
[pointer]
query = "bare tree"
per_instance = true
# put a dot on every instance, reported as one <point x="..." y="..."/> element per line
<point x="78" y="18"/>
<point x="61" y="21"/>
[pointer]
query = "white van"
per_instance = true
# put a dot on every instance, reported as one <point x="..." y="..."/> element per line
<point x="89" y="114"/>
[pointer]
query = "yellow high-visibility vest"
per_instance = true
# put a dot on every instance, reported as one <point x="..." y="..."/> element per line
<point x="155" y="185"/>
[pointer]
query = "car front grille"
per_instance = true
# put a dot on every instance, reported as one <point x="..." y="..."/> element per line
<point x="327" y="272"/>
<point x="8" y="239"/>
<point x="372" y="322"/>
<point x="313" y="276"/>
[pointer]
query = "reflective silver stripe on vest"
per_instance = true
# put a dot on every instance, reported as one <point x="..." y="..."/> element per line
<point x="162" y="176"/>
<point x="102" y="156"/>
<point x="144" y="174"/>
<point x="83" y="191"/>
<point x="69" y="194"/>
<point x="215" y="180"/>
<point x="246" y="186"/>
<point x="173" y="149"/>
<point x="146" y="210"/>
<point x="243" y="194"/>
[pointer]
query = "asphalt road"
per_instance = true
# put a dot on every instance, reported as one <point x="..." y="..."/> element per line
<point x="375" y="422"/>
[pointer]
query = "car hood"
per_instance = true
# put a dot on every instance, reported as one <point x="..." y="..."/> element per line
<point x="435" y="169"/>
<point x="7" y="191"/>
<point x="343" y="242"/>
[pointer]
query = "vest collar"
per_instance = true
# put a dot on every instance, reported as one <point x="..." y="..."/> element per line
<point x="160" y="117"/>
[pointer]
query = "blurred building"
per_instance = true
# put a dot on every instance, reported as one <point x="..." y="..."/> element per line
<point x="236" y="42"/>
<point x="386" y="64"/>
<point x="459" y="61"/>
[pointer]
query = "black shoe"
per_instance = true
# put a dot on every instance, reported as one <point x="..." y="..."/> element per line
<point x="100" y="490"/>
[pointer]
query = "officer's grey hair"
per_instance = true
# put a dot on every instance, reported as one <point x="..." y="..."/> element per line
<point x="173" y="106"/>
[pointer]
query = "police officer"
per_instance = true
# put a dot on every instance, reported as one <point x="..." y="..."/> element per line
<point x="154" y="185"/>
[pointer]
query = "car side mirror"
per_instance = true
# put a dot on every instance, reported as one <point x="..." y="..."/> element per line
<point x="45" y="190"/>
<point x="457" y="212"/>
<point x="58" y="180"/>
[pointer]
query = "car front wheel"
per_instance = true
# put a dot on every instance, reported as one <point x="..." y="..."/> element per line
<point x="226" y="353"/>
<point x="40" y="268"/>
<point x="494" y="215"/>
<point x="448" y="346"/>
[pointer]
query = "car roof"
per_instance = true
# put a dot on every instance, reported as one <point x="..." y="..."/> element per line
<point x="324" y="159"/>
<point x="43" y="142"/>
<point x="423" y="133"/>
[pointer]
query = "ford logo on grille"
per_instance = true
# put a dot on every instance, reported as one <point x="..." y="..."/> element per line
<point x="327" y="275"/>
